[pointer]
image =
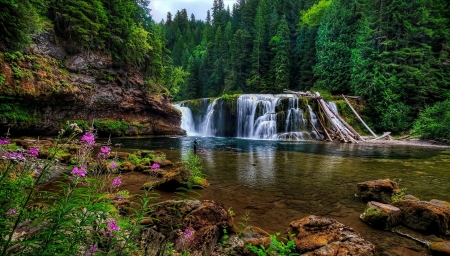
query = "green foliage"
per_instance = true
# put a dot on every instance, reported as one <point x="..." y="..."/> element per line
<point x="2" y="79"/>
<point x="275" y="248"/>
<point x="74" y="218"/>
<point x="17" y="114"/>
<point x="192" y="162"/>
<point x="372" y="212"/>
<point x="18" y="20"/>
<point x="114" y="127"/>
<point x="313" y="16"/>
<point x="433" y="122"/>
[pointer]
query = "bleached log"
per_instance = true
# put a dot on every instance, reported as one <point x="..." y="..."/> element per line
<point x="360" y="119"/>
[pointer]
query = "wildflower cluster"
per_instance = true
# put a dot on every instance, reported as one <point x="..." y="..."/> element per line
<point x="4" y="142"/>
<point x="155" y="167"/>
<point x="116" y="182"/>
<point x="113" y="165"/>
<point x="104" y="153"/>
<point x="79" y="173"/>
<point x="33" y="152"/>
<point x="14" y="156"/>
<point x="88" y="138"/>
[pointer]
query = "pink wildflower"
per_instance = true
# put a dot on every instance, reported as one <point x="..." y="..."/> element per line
<point x="104" y="152"/>
<point x="113" y="165"/>
<point x="12" y="211"/>
<point x="187" y="235"/>
<point x="113" y="225"/>
<point x="34" y="151"/>
<point x="155" y="166"/>
<point x="4" y="142"/>
<point x="79" y="172"/>
<point x="116" y="182"/>
<point x="88" y="138"/>
<point x="93" y="249"/>
<point x="15" y="156"/>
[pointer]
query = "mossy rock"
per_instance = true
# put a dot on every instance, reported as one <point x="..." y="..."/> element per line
<point x="200" y="182"/>
<point x="126" y="167"/>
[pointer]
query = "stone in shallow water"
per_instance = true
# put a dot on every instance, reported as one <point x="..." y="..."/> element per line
<point x="378" y="190"/>
<point x="426" y="217"/>
<point x="315" y="235"/>
<point x="381" y="215"/>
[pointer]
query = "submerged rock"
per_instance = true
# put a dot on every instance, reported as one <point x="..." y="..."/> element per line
<point x="426" y="217"/>
<point x="316" y="235"/>
<point x="381" y="215"/>
<point x="378" y="190"/>
<point x="255" y="236"/>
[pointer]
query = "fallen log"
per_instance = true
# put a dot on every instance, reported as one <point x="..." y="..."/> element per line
<point x="318" y="133"/>
<point x="382" y="136"/>
<point x="346" y="124"/>
<point x="360" y="119"/>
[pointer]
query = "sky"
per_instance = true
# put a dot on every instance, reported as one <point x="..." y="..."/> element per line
<point x="198" y="7"/>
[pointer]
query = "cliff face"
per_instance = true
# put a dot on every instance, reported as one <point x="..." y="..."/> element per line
<point x="43" y="88"/>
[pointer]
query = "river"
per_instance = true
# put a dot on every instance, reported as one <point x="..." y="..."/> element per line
<point x="277" y="182"/>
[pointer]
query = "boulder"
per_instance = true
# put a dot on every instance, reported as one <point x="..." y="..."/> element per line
<point x="126" y="167"/>
<point x="200" y="242"/>
<point x="190" y="213"/>
<point x="315" y="235"/>
<point x="440" y="248"/>
<point x="426" y="217"/>
<point x="381" y="215"/>
<point x="255" y="236"/>
<point x="29" y="143"/>
<point x="171" y="180"/>
<point x="378" y="190"/>
<point x="410" y="197"/>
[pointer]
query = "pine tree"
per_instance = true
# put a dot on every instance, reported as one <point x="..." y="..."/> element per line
<point x="280" y="66"/>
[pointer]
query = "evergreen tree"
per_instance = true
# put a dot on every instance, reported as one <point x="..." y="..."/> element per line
<point x="280" y="66"/>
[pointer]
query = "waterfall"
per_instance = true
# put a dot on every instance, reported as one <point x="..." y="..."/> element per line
<point x="187" y="120"/>
<point x="208" y="129"/>
<point x="256" y="116"/>
<point x="334" y="108"/>
<point x="314" y="121"/>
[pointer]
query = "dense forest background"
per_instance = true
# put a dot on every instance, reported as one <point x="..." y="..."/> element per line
<point x="392" y="53"/>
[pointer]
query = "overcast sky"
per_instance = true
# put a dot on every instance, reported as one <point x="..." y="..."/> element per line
<point x="198" y="7"/>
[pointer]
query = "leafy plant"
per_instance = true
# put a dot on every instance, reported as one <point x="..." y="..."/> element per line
<point x="276" y="247"/>
<point x="433" y="122"/>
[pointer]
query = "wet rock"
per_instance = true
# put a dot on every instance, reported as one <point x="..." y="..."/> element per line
<point x="200" y="242"/>
<point x="190" y="213"/>
<point x="121" y="155"/>
<point x="151" y="241"/>
<point x="46" y="45"/>
<point x="29" y="143"/>
<point x="162" y="163"/>
<point x="426" y="217"/>
<point x="378" y="190"/>
<point x="126" y="167"/>
<point x="381" y="215"/>
<point x="440" y="248"/>
<point x="316" y="235"/>
<point x="168" y="180"/>
<point x="147" y="222"/>
<point x="440" y="203"/>
<point x="410" y="197"/>
<point x="255" y="236"/>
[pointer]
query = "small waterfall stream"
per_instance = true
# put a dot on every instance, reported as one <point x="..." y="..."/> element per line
<point x="187" y="119"/>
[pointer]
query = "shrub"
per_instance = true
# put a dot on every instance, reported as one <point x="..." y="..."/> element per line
<point x="433" y="122"/>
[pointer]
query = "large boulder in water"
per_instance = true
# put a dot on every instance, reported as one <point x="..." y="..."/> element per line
<point x="378" y="190"/>
<point x="315" y="235"/>
<point x="426" y="217"/>
<point x="381" y="215"/>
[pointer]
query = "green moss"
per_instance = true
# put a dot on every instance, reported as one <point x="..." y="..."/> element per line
<point x="114" y="127"/>
<point x="17" y="115"/>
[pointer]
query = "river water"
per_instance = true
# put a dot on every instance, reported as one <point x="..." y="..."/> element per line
<point x="277" y="182"/>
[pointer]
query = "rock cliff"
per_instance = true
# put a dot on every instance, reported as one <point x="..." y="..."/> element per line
<point x="44" y="87"/>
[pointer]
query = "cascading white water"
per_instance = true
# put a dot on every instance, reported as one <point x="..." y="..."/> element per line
<point x="256" y="116"/>
<point x="314" y="121"/>
<point x="208" y="128"/>
<point x="187" y="120"/>
<point x="335" y="110"/>
<point x="295" y="123"/>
